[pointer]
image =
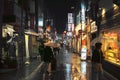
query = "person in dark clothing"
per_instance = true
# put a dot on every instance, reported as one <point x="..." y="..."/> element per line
<point x="41" y="51"/>
<point x="48" y="57"/>
<point x="56" y="50"/>
<point x="97" y="58"/>
<point x="97" y="55"/>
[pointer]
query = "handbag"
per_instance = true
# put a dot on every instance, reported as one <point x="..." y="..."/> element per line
<point x="98" y="67"/>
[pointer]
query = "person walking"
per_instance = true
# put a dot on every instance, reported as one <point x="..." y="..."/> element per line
<point x="41" y="51"/>
<point x="97" y="58"/>
<point x="48" y="57"/>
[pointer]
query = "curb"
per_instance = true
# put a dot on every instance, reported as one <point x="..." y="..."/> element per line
<point x="6" y="70"/>
<point x="34" y="72"/>
<point x="109" y="76"/>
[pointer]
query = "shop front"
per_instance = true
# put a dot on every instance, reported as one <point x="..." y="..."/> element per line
<point x="110" y="38"/>
<point x="31" y="45"/>
<point x="9" y="47"/>
<point x="111" y="48"/>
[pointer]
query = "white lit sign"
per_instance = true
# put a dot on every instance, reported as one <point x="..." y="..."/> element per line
<point x="83" y="67"/>
<point x="40" y="22"/>
<point x="83" y="11"/>
<point x="70" y="18"/>
<point x="69" y="27"/>
<point x="83" y="53"/>
<point x="93" y="27"/>
<point x="69" y="34"/>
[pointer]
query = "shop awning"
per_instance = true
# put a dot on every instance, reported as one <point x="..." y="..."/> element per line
<point x="31" y="32"/>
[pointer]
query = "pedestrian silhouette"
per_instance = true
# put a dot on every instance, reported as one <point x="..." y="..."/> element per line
<point x="41" y="51"/>
<point x="97" y="58"/>
<point x="48" y="57"/>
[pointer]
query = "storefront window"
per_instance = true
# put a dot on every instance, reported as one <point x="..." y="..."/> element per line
<point x="111" y="46"/>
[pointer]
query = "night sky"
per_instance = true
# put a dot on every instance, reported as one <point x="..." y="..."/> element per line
<point x="59" y="9"/>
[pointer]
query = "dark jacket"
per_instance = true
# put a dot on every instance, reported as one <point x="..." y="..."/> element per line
<point x="97" y="56"/>
<point x="48" y="55"/>
<point x="41" y="50"/>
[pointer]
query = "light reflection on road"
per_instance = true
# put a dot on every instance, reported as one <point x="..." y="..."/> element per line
<point x="83" y="67"/>
<point x="76" y="70"/>
<point x="67" y="71"/>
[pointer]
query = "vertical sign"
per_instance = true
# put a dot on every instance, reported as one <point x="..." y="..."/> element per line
<point x="32" y="26"/>
<point x="70" y="21"/>
<point x="70" y="18"/>
<point x="83" y="11"/>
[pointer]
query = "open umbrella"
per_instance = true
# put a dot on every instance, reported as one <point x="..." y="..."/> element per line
<point x="97" y="39"/>
<point x="51" y="44"/>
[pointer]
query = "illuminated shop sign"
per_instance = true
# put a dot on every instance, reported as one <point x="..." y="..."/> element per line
<point x="7" y="29"/>
<point x="69" y="27"/>
<point x="83" y="53"/>
<point x="69" y="34"/>
<point x="70" y="18"/>
<point x="70" y="23"/>
<point x="40" y="22"/>
<point x="78" y="18"/>
<point x="83" y="11"/>
<point x="93" y="27"/>
<point x="73" y="27"/>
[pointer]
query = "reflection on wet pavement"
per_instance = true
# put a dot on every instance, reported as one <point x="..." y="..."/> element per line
<point x="74" y="68"/>
<point x="69" y="67"/>
<point x="24" y="73"/>
<point x="75" y="62"/>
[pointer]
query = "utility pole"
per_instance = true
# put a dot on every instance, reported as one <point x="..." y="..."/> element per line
<point x="1" y="12"/>
<point x="36" y="16"/>
<point x="21" y="39"/>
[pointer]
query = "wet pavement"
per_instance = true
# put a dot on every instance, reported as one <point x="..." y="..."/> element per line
<point x="25" y="73"/>
<point x="69" y="67"/>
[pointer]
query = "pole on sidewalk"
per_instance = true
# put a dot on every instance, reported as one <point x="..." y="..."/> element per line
<point x="21" y="40"/>
<point x="36" y="16"/>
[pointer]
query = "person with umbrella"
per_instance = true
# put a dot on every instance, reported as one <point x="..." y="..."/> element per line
<point x="48" y="57"/>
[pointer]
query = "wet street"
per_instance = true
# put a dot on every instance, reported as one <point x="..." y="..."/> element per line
<point x="69" y="67"/>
